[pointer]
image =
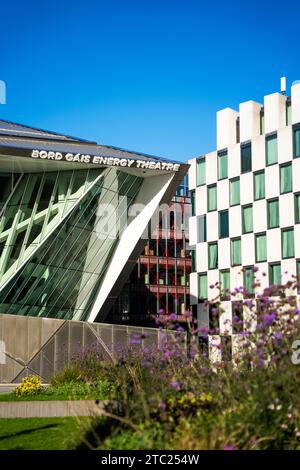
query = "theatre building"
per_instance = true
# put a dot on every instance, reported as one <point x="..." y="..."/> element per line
<point x="73" y="220"/>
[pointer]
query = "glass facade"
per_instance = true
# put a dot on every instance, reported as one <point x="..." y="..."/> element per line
<point x="234" y="191"/>
<point x="56" y="243"/>
<point x="222" y="165"/>
<point x="212" y="198"/>
<point x="271" y="149"/>
<point x="259" y="185"/>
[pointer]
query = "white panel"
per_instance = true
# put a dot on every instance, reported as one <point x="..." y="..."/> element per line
<point x="272" y="181"/>
<point x="223" y="194"/>
<point x="274" y="245"/>
<point x="275" y="112"/>
<point x="288" y="269"/>
<point x="246" y="185"/>
<point x="296" y="174"/>
<point x="235" y="221"/>
<point x="212" y="279"/>
<point x="285" y="144"/>
<point x="201" y="257"/>
<point x="286" y="210"/>
<point x="214" y="349"/>
<point x="226" y="318"/>
<point x="259" y="216"/>
<point x="226" y="128"/>
<point x="234" y="161"/>
<point x="248" y="251"/>
<point x="236" y="280"/>
<point x="211" y="168"/>
<point x="297" y="240"/>
<point x="258" y="153"/>
<point x="193" y="230"/>
<point x="295" y="96"/>
<point x="201" y="200"/>
<point x="212" y="226"/>
<point x="224" y="253"/>
<point x="262" y="277"/>
<point x="194" y="288"/>
<point x="192" y="174"/>
<point x="249" y="120"/>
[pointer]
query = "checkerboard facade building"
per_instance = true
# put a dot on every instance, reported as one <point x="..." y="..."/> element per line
<point x="246" y="205"/>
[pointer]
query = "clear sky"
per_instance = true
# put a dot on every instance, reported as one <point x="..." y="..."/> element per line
<point x="145" y="75"/>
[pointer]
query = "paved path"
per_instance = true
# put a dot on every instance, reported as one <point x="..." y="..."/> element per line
<point x="51" y="409"/>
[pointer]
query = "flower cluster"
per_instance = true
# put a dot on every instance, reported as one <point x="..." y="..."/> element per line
<point x="29" y="386"/>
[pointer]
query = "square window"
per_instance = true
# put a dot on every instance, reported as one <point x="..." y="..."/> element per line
<point x="200" y="171"/>
<point x="260" y="247"/>
<point x="201" y="222"/>
<point x="202" y="286"/>
<point x="287" y="243"/>
<point x="274" y="274"/>
<point x="296" y="141"/>
<point x="236" y="252"/>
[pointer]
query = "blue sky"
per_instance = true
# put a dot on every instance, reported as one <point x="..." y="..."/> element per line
<point x="143" y="75"/>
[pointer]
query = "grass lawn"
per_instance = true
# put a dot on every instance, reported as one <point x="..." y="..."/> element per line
<point x="39" y="433"/>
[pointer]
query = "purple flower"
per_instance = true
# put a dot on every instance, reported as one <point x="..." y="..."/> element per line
<point x="175" y="385"/>
<point x="269" y="318"/>
<point x="229" y="447"/>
